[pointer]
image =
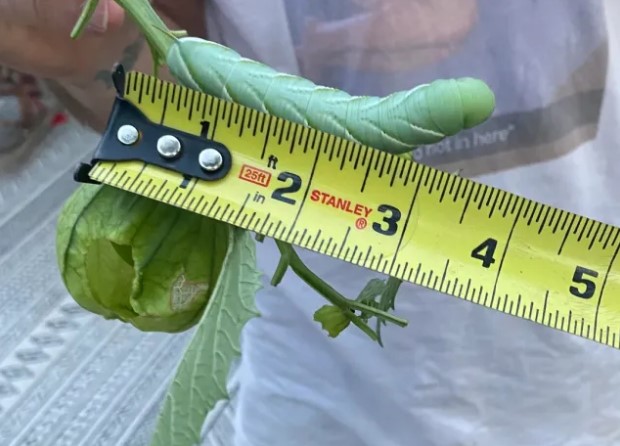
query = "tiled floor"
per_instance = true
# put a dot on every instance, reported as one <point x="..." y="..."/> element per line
<point x="66" y="376"/>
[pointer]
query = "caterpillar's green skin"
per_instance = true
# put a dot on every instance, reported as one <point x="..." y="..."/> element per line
<point x="396" y="123"/>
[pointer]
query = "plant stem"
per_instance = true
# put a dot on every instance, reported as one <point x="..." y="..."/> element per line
<point x="283" y="265"/>
<point x="291" y="259"/>
<point x="333" y="296"/>
<point x="378" y="313"/>
<point x="155" y="31"/>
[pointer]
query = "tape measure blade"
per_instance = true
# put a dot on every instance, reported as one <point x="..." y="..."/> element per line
<point x="386" y="214"/>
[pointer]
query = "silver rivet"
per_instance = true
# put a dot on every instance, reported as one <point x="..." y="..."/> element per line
<point x="168" y="146"/>
<point x="127" y="134"/>
<point x="210" y="159"/>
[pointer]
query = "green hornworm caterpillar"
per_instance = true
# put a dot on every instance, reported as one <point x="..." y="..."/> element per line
<point x="396" y="123"/>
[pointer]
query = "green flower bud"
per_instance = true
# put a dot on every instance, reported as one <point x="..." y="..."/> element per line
<point x="127" y="257"/>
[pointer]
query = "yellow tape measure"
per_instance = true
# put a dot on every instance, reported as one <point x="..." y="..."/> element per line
<point x="373" y="209"/>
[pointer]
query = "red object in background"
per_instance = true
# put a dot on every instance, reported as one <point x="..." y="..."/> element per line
<point x="59" y="118"/>
<point x="26" y="89"/>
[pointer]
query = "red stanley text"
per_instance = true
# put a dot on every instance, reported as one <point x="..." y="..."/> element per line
<point x="340" y="203"/>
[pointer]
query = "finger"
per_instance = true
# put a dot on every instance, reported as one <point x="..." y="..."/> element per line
<point x="108" y="15"/>
<point x="59" y="14"/>
<point x="40" y="48"/>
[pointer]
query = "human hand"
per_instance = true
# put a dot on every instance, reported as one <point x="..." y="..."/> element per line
<point x="35" y="38"/>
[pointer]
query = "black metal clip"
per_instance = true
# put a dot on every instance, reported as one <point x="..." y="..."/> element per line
<point x="144" y="148"/>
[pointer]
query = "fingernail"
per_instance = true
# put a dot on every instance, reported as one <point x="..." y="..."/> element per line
<point x="99" y="21"/>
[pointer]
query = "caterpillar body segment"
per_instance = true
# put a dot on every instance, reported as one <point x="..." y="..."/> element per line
<point x="396" y="123"/>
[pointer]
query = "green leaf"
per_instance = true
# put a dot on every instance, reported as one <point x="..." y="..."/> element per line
<point x="200" y="379"/>
<point x="332" y="319"/>
<point x="388" y="301"/>
<point x="371" y="291"/>
<point x="388" y="295"/>
<point x="379" y="294"/>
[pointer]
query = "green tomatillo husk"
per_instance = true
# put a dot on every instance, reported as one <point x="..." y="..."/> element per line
<point x="127" y="257"/>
